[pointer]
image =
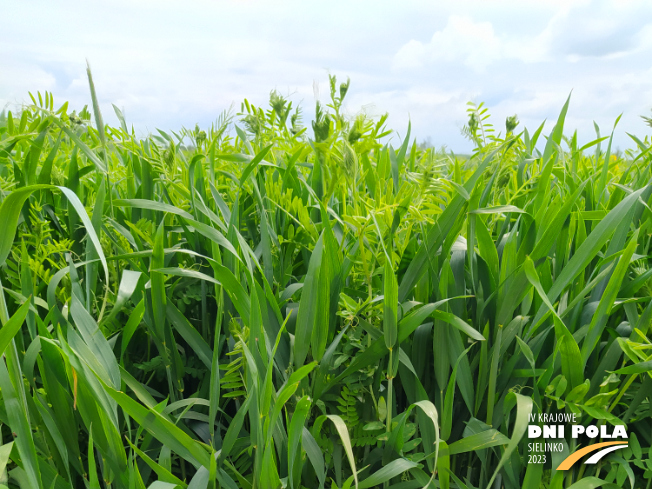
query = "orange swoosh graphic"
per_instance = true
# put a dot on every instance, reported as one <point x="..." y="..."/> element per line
<point x="575" y="456"/>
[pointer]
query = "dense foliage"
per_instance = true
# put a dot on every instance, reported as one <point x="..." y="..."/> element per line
<point x="263" y="305"/>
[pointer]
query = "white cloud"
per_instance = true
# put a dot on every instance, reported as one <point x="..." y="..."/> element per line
<point x="476" y="44"/>
<point x="412" y="54"/>
<point x="598" y="29"/>
<point x="473" y="43"/>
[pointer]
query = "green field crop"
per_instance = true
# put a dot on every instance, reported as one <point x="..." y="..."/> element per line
<point x="259" y="305"/>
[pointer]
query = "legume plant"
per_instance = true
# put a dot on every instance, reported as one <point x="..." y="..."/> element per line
<point x="261" y="304"/>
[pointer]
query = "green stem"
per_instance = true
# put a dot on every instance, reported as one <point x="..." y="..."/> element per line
<point x="390" y="380"/>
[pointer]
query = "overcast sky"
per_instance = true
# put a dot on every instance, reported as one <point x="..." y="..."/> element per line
<point x="168" y="64"/>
